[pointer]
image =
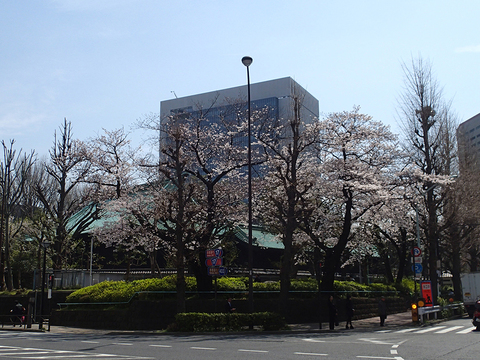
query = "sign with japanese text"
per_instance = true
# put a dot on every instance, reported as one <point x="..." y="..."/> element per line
<point x="217" y="270"/>
<point x="213" y="253"/>
<point x="426" y="287"/>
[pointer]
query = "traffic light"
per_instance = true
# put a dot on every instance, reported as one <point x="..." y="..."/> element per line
<point x="414" y="312"/>
<point x="51" y="277"/>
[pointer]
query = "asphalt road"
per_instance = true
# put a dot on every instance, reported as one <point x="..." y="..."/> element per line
<point x="452" y="339"/>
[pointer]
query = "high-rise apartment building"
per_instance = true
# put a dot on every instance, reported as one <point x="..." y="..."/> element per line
<point x="468" y="139"/>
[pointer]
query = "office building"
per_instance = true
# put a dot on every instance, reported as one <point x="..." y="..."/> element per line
<point x="468" y="139"/>
<point x="275" y="95"/>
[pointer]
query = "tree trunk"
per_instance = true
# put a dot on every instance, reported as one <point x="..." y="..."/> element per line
<point x="388" y="268"/>
<point x="402" y="253"/>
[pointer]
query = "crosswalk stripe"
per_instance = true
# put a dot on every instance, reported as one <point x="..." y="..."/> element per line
<point x="429" y="329"/>
<point x="466" y="331"/>
<point x="448" y="329"/>
<point x="405" y="331"/>
<point x="34" y="353"/>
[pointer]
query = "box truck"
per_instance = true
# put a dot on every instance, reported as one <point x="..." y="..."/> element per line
<point x="470" y="290"/>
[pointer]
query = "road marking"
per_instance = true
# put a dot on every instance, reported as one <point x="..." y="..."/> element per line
<point x="448" y="329"/>
<point x="122" y="344"/>
<point x="405" y="331"/>
<point x="383" y="331"/>
<point x="33" y="353"/>
<point x="254" y="351"/>
<point x="466" y="331"/>
<point x="309" y="354"/>
<point x="314" y="340"/>
<point x="380" y="357"/>
<point x="202" y="348"/>
<point x="375" y="341"/>
<point x="429" y="329"/>
<point x="161" y="346"/>
<point x="394" y="352"/>
<point x="90" y="342"/>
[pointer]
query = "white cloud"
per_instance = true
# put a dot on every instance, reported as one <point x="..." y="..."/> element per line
<point x="468" y="49"/>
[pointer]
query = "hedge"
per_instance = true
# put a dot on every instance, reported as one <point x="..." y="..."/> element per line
<point x="122" y="291"/>
<point x="191" y="322"/>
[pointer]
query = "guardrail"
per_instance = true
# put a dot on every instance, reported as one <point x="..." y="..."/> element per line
<point x="13" y="320"/>
<point x="427" y="310"/>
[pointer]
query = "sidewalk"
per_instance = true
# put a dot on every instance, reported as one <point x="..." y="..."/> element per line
<point x="393" y="321"/>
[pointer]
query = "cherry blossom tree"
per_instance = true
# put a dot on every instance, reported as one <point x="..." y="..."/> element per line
<point x="355" y="158"/>
<point x="460" y="246"/>
<point x="214" y="143"/>
<point x="112" y="163"/>
<point x="208" y="146"/>
<point x="390" y="228"/>
<point x="290" y="177"/>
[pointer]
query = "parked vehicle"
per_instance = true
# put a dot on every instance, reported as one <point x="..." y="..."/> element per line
<point x="471" y="291"/>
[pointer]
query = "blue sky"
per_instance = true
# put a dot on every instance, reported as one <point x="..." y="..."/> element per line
<point x="107" y="63"/>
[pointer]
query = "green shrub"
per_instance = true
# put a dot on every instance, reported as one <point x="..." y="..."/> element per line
<point x="231" y="284"/>
<point x="267" y="286"/>
<point x="378" y="289"/>
<point x="190" y="322"/>
<point x="121" y="291"/>
<point x="406" y="287"/>
<point x="303" y="285"/>
<point x="351" y="287"/>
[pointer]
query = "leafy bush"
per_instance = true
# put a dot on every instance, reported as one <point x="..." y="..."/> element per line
<point x="351" y="287"/>
<point x="303" y="285"/>
<point x="231" y="284"/>
<point x="121" y="291"/>
<point x="381" y="289"/>
<point x="188" y="322"/>
<point x="267" y="286"/>
<point x="406" y="287"/>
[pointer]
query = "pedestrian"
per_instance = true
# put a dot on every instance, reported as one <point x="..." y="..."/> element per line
<point x="18" y="312"/>
<point x="349" y="310"/>
<point x="332" y="313"/>
<point x="229" y="307"/>
<point x="382" y="310"/>
<point x="476" y="316"/>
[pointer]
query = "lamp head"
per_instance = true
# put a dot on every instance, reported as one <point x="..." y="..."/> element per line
<point x="247" y="61"/>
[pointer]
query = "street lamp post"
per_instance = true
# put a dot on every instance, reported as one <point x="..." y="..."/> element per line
<point x="247" y="61"/>
<point x="45" y="245"/>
